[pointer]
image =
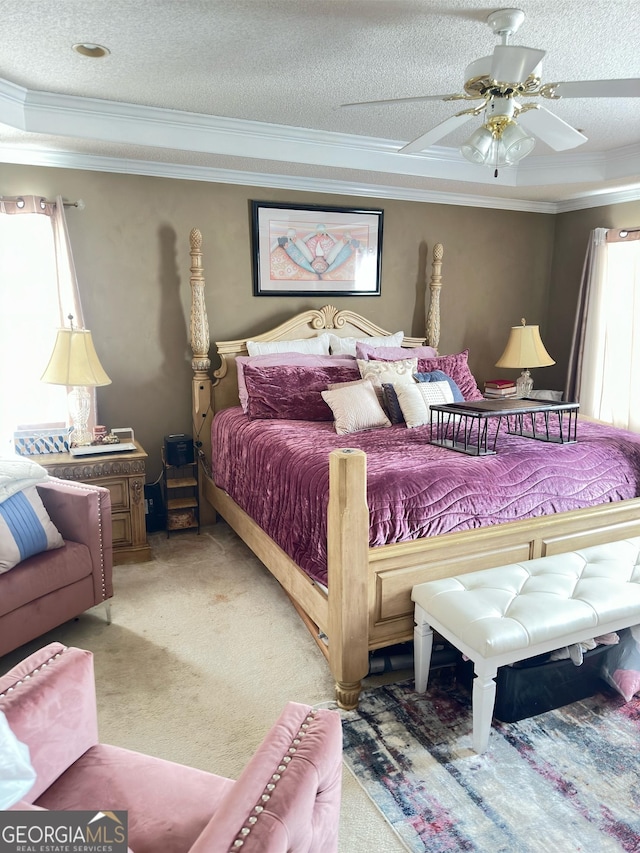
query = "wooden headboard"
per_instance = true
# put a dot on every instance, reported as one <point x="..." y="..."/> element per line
<point x="212" y="392"/>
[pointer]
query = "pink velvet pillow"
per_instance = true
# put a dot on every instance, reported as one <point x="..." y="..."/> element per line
<point x="367" y="352"/>
<point x="455" y="366"/>
<point x="293" y="391"/>
<point x="305" y="359"/>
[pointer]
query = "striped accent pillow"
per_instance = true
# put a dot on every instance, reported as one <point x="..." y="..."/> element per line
<point x="416" y="400"/>
<point x="25" y="528"/>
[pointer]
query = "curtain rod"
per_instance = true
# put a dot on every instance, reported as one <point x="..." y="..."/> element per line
<point x="79" y="204"/>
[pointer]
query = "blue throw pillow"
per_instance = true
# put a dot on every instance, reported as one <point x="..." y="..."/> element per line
<point x="25" y="528"/>
<point x="439" y="376"/>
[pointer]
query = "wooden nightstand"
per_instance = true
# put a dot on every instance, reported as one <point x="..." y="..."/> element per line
<point x="124" y="475"/>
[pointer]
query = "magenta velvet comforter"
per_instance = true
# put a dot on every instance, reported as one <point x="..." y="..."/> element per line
<point x="278" y="472"/>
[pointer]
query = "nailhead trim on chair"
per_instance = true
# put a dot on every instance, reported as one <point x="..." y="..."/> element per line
<point x="33" y="672"/>
<point x="82" y="486"/>
<point x="270" y="787"/>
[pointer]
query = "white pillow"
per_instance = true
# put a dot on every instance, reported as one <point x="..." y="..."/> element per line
<point x="17" y="776"/>
<point x="25" y="528"/>
<point x="416" y="400"/>
<point x="393" y="372"/>
<point x="355" y="408"/>
<point x="314" y="346"/>
<point x="347" y="346"/>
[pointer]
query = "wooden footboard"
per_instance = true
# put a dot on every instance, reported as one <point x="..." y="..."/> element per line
<point x="368" y="602"/>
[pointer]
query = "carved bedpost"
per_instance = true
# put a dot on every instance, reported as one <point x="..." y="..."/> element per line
<point x="200" y="363"/>
<point x="433" y="315"/>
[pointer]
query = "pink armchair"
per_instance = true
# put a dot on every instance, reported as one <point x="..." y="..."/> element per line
<point x="287" y="798"/>
<point x="52" y="587"/>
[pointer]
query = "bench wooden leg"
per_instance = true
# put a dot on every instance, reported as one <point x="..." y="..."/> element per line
<point x="483" y="698"/>
<point x="422" y="646"/>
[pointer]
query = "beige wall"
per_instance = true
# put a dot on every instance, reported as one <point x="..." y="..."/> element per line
<point x="131" y="248"/>
<point x="571" y="240"/>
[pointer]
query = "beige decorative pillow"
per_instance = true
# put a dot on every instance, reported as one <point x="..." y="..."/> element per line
<point x="392" y="372"/>
<point x="355" y="408"/>
<point x="416" y="400"/>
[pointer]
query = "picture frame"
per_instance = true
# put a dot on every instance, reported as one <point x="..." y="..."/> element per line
<point x="315" y="250"/>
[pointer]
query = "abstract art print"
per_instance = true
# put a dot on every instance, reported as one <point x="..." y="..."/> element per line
<point x="315" y="250"/>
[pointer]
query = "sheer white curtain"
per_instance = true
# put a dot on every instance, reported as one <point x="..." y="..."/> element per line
<point x="38" y="289"/>
<point x="608" y="335"/>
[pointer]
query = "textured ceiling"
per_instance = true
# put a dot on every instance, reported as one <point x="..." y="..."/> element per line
<point x="290" y="64"/>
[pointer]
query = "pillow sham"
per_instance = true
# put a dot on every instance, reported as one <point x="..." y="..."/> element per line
<point x="292" y="391"/>
<point x="456" y="366"/>
<point x="315" y="346"/>
<point x="355" y="408"/>
<point x="394" y="372"/>
<point x="347" y="346"/>
<point x="25" y="529"/>
<point x="367" y="351"/>
<point x="304" y="359"/>
<point x="416" y="400"/>
<point x="439" y="376"/>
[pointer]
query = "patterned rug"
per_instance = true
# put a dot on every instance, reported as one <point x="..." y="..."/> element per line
<point x="563" y="781"/>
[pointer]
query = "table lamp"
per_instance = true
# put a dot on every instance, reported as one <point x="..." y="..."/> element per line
<point x="74" y="362"/>
<point x="525" y="350"/>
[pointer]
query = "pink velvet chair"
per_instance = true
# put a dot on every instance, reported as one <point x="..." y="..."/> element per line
<point x="287" y="798"/>
<point x="52" y="587"/>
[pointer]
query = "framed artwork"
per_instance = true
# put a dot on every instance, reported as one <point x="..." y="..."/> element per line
<point x="315" y="250"/>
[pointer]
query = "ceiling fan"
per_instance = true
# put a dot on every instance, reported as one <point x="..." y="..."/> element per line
<point x="498" y="81"/>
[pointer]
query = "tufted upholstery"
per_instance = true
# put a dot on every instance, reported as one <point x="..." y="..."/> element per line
<point x="503" y="615"/>
<point x="512" y="607"/>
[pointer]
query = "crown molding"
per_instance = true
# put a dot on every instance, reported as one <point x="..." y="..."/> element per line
<point x="130" y="124"/>
<point x="92" y="163"/>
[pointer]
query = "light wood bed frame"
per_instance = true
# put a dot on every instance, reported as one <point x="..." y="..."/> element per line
<point x="368" y="605"/>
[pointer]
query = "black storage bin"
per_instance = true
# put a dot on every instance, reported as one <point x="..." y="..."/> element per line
<point x="538" y="684"/>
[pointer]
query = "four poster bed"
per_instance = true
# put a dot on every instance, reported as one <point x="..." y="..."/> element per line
<point x="347" y="554"/>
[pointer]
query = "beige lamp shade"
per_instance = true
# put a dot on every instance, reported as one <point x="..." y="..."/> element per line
<point x="524" y="349"/>
<point x="74" y="360"/>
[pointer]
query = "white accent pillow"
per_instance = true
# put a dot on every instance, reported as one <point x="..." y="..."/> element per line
<point x="392" y="372"/>
<point x="355" y="408"/>
<point x="25" y="528"/>
<point x="416" y="400"/>
<point x="347" y="346"/>
<point x="17" y="776"/>
<point x="313" y="346"/>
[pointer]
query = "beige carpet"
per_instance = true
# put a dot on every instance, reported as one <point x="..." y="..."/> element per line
<point x="203" y="652"/>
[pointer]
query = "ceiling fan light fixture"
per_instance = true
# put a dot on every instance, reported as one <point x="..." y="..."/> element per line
<point x="517" y="143"/>
<point x="479" y="147"/>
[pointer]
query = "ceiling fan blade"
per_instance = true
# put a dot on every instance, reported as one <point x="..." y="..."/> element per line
<point x="629" y="88"/>
<point x="436" y="133"/>
<point x="551" y="129"/>
<point x="417" y="99"/>
<point x="513" y="64"/>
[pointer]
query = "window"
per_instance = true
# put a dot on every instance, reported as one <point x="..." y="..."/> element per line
<point x="607" y="341"/>
<point x="37" y="288"/>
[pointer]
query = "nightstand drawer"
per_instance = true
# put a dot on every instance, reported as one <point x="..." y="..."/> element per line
<point x="121" y="529"/>
<point x="119" y="493"/>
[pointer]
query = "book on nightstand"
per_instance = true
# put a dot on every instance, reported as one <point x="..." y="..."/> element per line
<point x="499" y="388"/>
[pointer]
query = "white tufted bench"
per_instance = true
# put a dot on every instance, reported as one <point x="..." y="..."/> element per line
<point x="503" y="615"/>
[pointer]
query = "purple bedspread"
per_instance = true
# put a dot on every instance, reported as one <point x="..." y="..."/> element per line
<point x="278" y="472"/>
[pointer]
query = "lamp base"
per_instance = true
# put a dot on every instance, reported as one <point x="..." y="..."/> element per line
<point x="524" y="384"/>
<point x="79" y="401"/>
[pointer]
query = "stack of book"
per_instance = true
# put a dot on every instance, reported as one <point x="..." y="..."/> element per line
<point x="499" y="388"/>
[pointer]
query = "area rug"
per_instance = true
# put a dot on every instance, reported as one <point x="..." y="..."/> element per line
<point x="563" y="781"/>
